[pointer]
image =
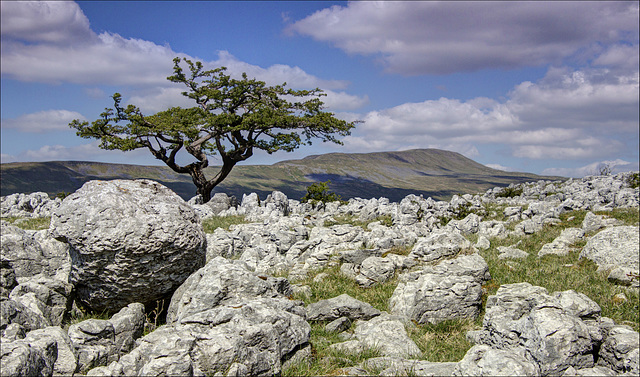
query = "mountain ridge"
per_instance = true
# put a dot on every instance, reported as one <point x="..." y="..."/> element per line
<point x="428" y="172"/>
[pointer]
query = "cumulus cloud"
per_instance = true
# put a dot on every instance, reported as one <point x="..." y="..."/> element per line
<point x="44" y="21"/>
<point x="6" y="158"/>
<point x="566" y="115"/>
<point x="84" y="152"/>
<point x="43" y="121"/>
<point x="52" y="42"/>
<point x="427" y="37"/>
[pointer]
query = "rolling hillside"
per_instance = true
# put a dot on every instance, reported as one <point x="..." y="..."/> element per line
<point x="428" y="172"/>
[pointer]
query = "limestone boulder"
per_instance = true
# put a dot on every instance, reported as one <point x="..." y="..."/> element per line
<point x="450" y="290"/>
<point x="547" y="329"/>
<point x="220" y="282"/>
<point x="384" y="333"/>
<point x="439" y="245"/>
<point x="129" y="241"/>
<point x="616" y="248"/>
<point x="341" y="306"/>
<point x="252" y="338"/>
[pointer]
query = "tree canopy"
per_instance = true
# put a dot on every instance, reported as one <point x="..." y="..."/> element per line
<point x="231" y="118"/>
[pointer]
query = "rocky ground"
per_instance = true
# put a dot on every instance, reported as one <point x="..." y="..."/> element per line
<point x="246" y="300"/>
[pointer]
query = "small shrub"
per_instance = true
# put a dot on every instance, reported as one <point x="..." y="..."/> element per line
<point x="61" y="195"/>
<point x="319" y="193"/>
<point x="510" y="192"/>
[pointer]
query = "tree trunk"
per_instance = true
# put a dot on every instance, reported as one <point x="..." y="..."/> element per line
<point x="204" y="186"/>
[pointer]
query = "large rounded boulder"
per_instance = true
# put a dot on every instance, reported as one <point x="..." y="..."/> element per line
<point x="130" y="241"/>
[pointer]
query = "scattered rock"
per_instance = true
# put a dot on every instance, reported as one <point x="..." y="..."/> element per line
<point x="616" y="248"/>
<point x="340" y="306"/>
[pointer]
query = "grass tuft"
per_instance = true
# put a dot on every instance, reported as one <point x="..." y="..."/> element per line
<point x="30" y="223"/>
<point x="212" y="223"/>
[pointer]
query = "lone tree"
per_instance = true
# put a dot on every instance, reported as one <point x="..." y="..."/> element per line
<point x="231" y="118"/>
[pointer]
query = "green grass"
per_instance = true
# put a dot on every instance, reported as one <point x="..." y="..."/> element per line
<point x="385" y="220"/>
<point x="31" y="223"/>
<point x="446" y="341"/>
<point x="224" y="222"/>
<point x="335" y="284"/>
<point x="561" y="273"/>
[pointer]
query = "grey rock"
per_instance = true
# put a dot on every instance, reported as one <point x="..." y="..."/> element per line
<point x="94" y="343"/>
<point x="7" y="278"/>
<point x="375" y="270"/>
<point x="221" y="202"/>
<point x="439" y="245"/>
<point x="26" y="255"/>
<point x="139" y="233"/>
<point x="588" y="372"/>
<point x="593" y="222"/>
<point x="510" y="252"/>
<point x="13" y="331"/>
<point x="51" y="297"/>
<point x="562" y="244"/>
<point x="450" y="290"/>
<point x="624" y="276"/>
<point x="387" y="334"/>
<point x="36" y="204"/>
<point x="128" y="325"/>
<point x="546" y="327"/>
<point x="483" y="243"/>
<point x="620" y="350"/>
<point x="468" y="225"/>
<point x="219" y="282"/>
<point x="338" y="325"/>
<point x="340" y="306"/>
<point x="493" y="228"/>
<point x="614" y="247"/>
<point x="24" y="358"/>
<point x="65" y="362"/>
<point x="12" y="311"/>
<point x="252" y="338"/>
<point x="482" y="360"/>
<point x="396" y="366"/>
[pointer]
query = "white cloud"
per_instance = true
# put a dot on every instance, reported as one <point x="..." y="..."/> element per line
<point x="616" y="166"/>
<point x="426" y="37"/>
<point x="276" y="74"/>
<point x="500" y="167"/>
<point x="6" y="158"/>
<point x="573" y="115"/>
<point x="43" y="121"/>
<point x="84" y="152"/>
<point x="51" y="42"/>
<point x="44" y="21"/>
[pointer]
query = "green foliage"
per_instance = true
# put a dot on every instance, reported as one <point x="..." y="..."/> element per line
<point x="319" y="193"/>
<point x="212" y="223"/>
<point x="634" y="180"/>
<point x="510" y="192"/>
<point x="62" y="195"/>
<point x="232" y="117"/>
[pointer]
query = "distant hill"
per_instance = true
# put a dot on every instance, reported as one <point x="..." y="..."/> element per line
<point x="429" y="172"/>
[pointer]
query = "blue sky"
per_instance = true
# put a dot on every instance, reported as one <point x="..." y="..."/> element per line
<point x="541" y="87"/>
